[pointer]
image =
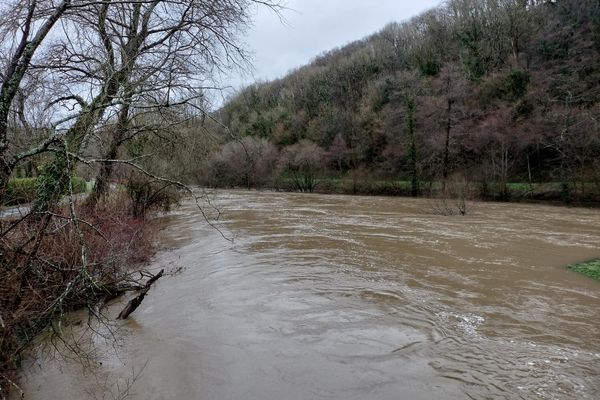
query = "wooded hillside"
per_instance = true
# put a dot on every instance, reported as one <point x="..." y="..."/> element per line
<point x="493" y="92"/>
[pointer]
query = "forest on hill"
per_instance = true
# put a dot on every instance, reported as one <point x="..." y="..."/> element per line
<point x="499" y="95"/>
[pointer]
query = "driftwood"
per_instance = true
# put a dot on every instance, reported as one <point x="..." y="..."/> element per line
<point x="136" y="301"/>
<point x="111" y="292"/>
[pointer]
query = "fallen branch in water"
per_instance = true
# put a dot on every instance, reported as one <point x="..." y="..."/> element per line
<point x="136" y="301"/>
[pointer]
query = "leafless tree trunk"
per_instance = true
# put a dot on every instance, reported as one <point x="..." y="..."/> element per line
<point x="446" y="163"/>
<point x="119" y="131"/>
<point x="14" y="75"/>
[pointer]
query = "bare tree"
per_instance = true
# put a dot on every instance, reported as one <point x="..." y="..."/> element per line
<point x="29" y="39"/>
<point x="103" y="70"/>
<point x="108" y="54"/>
<point x="302" y="161"/>
<point x="454" y="89"/>
<point x="248" y="162"/>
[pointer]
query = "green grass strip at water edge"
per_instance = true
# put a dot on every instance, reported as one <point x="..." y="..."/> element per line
<point x="589" y="268"/>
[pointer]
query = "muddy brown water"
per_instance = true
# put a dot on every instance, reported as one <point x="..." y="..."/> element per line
<point x="334" y="297"/>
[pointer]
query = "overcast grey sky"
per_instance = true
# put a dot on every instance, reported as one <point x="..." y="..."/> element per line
<point x="314" y="26"/>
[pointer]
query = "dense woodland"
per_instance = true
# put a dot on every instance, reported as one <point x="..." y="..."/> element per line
<point x="501" y="94"/>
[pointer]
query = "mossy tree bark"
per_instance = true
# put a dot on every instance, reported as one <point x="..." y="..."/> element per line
<point x="412" y="145"/>
<point x="12" y="78"/>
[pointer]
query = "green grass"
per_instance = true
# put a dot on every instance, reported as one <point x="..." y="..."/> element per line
<point x="538" y="192"/>
<point x="23" y="190"/>
<point x="89" y="186"/>
<point x="589" y="268"/>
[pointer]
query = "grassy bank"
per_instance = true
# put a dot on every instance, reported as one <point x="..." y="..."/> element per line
<point x="546" y="192"/>
<point x="589" y="268"/>
<point x="22" y="190"/>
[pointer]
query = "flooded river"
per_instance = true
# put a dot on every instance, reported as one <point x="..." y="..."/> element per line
<point x="335" y="297"/>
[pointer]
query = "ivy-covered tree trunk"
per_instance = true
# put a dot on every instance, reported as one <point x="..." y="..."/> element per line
<point x="54" y="179"/>
<point x="53" y="182"/>
<point x="446" y="162"/>
<point x="14" y="75"/>
<point x="412" y="146"/>
<point x="101" y="186"/>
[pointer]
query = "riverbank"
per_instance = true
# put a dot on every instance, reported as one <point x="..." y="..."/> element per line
<point x="52" y="266"/>
<point x="590" y="268"/>
<point x="550" y="193"/>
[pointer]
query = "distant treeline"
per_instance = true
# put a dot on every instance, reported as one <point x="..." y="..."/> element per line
<point x="485" y="91"/>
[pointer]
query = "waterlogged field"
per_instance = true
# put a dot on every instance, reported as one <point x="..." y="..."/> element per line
<point x="334" y="297"/>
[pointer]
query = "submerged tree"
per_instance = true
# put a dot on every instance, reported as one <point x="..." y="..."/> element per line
<point x="411" y="144"/>
<point x="302" y="162"/>
<point x="453" y="89"/>
<point x="248" y="162"/>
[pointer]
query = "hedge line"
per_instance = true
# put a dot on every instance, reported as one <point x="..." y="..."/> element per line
<point x="22" y="190"/>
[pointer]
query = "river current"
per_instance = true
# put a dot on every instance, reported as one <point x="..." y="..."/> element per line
<point x="341" y="297"/>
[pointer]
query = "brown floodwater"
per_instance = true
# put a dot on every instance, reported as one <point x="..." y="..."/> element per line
<point x="338" y="297"/>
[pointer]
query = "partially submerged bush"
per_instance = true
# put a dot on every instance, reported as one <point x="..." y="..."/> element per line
<point x="248" y="162"/>
<point x="45" y="273"/>
<point x="455" y="198"/>
<point x="148" y="195"/>
<point x="302" y="163"/>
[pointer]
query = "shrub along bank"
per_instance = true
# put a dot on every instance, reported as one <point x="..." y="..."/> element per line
<point x="75" y="257"/>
